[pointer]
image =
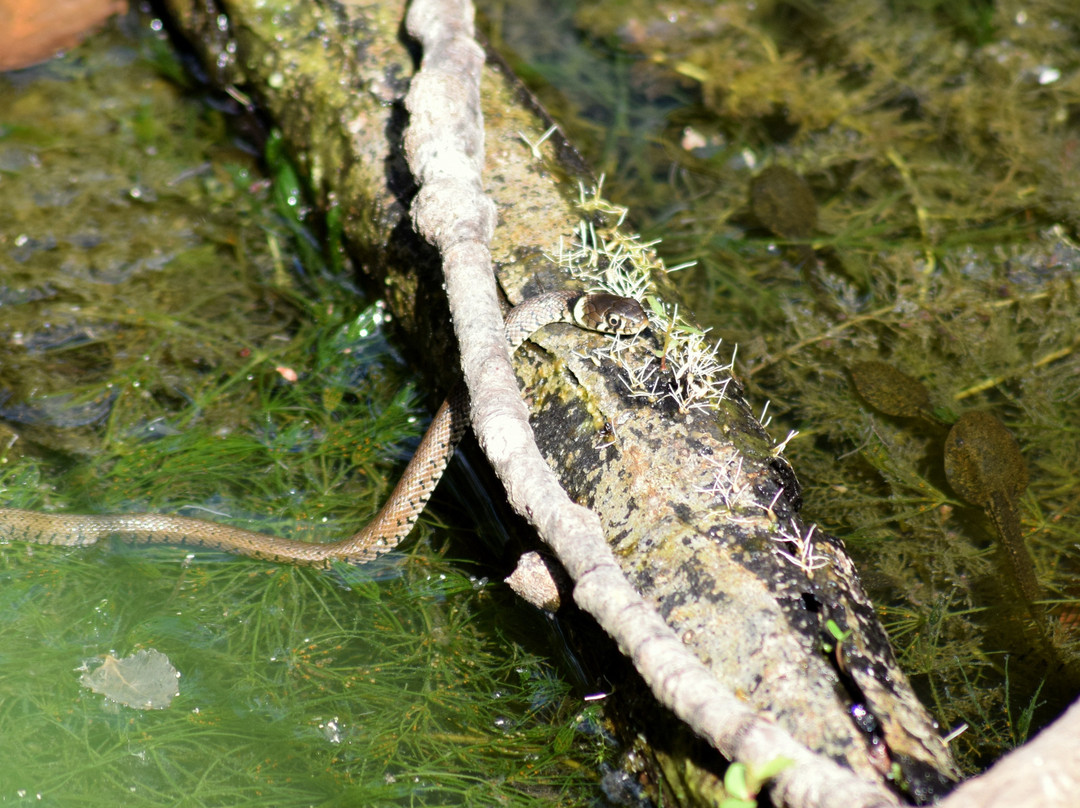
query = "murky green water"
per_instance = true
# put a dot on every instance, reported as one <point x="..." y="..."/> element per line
<point x="927" y="219"/>
<point x="155" y="309"/>
<point x="168" y="344"/>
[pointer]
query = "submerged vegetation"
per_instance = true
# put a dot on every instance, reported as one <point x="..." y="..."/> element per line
<point x="866" y="182"/>
<point x="172" y="342"/>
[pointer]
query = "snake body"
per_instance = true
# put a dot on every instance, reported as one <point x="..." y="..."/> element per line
<point x="594" y="311"/>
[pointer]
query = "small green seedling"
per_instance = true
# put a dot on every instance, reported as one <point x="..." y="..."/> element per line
<point x="837" y="634"/>
<point x="743" y="783"/>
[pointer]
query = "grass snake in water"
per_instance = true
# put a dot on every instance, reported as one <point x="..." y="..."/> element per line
<point x="593" y="311"/>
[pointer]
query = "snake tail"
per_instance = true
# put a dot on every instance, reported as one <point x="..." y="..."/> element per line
<point x="393" y="522"/>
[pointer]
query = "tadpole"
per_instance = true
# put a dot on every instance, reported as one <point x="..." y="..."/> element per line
<point x="984" y="465"/>
<point x="892" y="392"/>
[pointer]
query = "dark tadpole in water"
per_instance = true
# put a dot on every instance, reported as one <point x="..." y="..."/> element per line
<point x="783" y="203"/>
<point x="984" y="465"/>
<point x="892" y="392"/>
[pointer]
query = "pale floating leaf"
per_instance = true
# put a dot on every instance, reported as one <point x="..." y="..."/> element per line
<point x="146" y="680"/>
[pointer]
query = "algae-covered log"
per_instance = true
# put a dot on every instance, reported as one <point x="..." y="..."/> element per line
<point x="696" y="500"/>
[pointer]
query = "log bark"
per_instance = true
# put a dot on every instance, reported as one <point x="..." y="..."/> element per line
<point x="699" y="509"/>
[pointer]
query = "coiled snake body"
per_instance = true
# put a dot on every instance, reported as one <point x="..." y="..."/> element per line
<point x="596" y="312"/>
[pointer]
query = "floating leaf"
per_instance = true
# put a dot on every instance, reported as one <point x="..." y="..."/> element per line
<point x="146" y="680"/>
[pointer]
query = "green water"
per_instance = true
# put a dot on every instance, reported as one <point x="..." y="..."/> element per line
<point x="938" y="143"/>
<point x="172" y="340"/>
<point x="156" y="300"/>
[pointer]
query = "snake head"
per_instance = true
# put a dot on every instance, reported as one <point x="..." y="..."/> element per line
<point x="610" y="314"/>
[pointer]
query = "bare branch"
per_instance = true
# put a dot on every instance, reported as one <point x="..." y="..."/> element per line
<point x="444" y="147"/>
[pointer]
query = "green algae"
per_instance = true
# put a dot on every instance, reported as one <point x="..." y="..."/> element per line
<point x="938" y="141"/>
<point x="172" y="341"/>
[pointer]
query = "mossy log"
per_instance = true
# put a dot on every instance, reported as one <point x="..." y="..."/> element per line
<point x="699" y="506"/>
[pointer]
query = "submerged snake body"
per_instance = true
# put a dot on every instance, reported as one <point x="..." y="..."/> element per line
<point x="596" y="312"/>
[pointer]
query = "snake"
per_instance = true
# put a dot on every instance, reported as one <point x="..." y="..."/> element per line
<point x="593" y="311"/>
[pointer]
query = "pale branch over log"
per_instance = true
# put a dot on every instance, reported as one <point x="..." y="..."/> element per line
<point x="444" y="136"/>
